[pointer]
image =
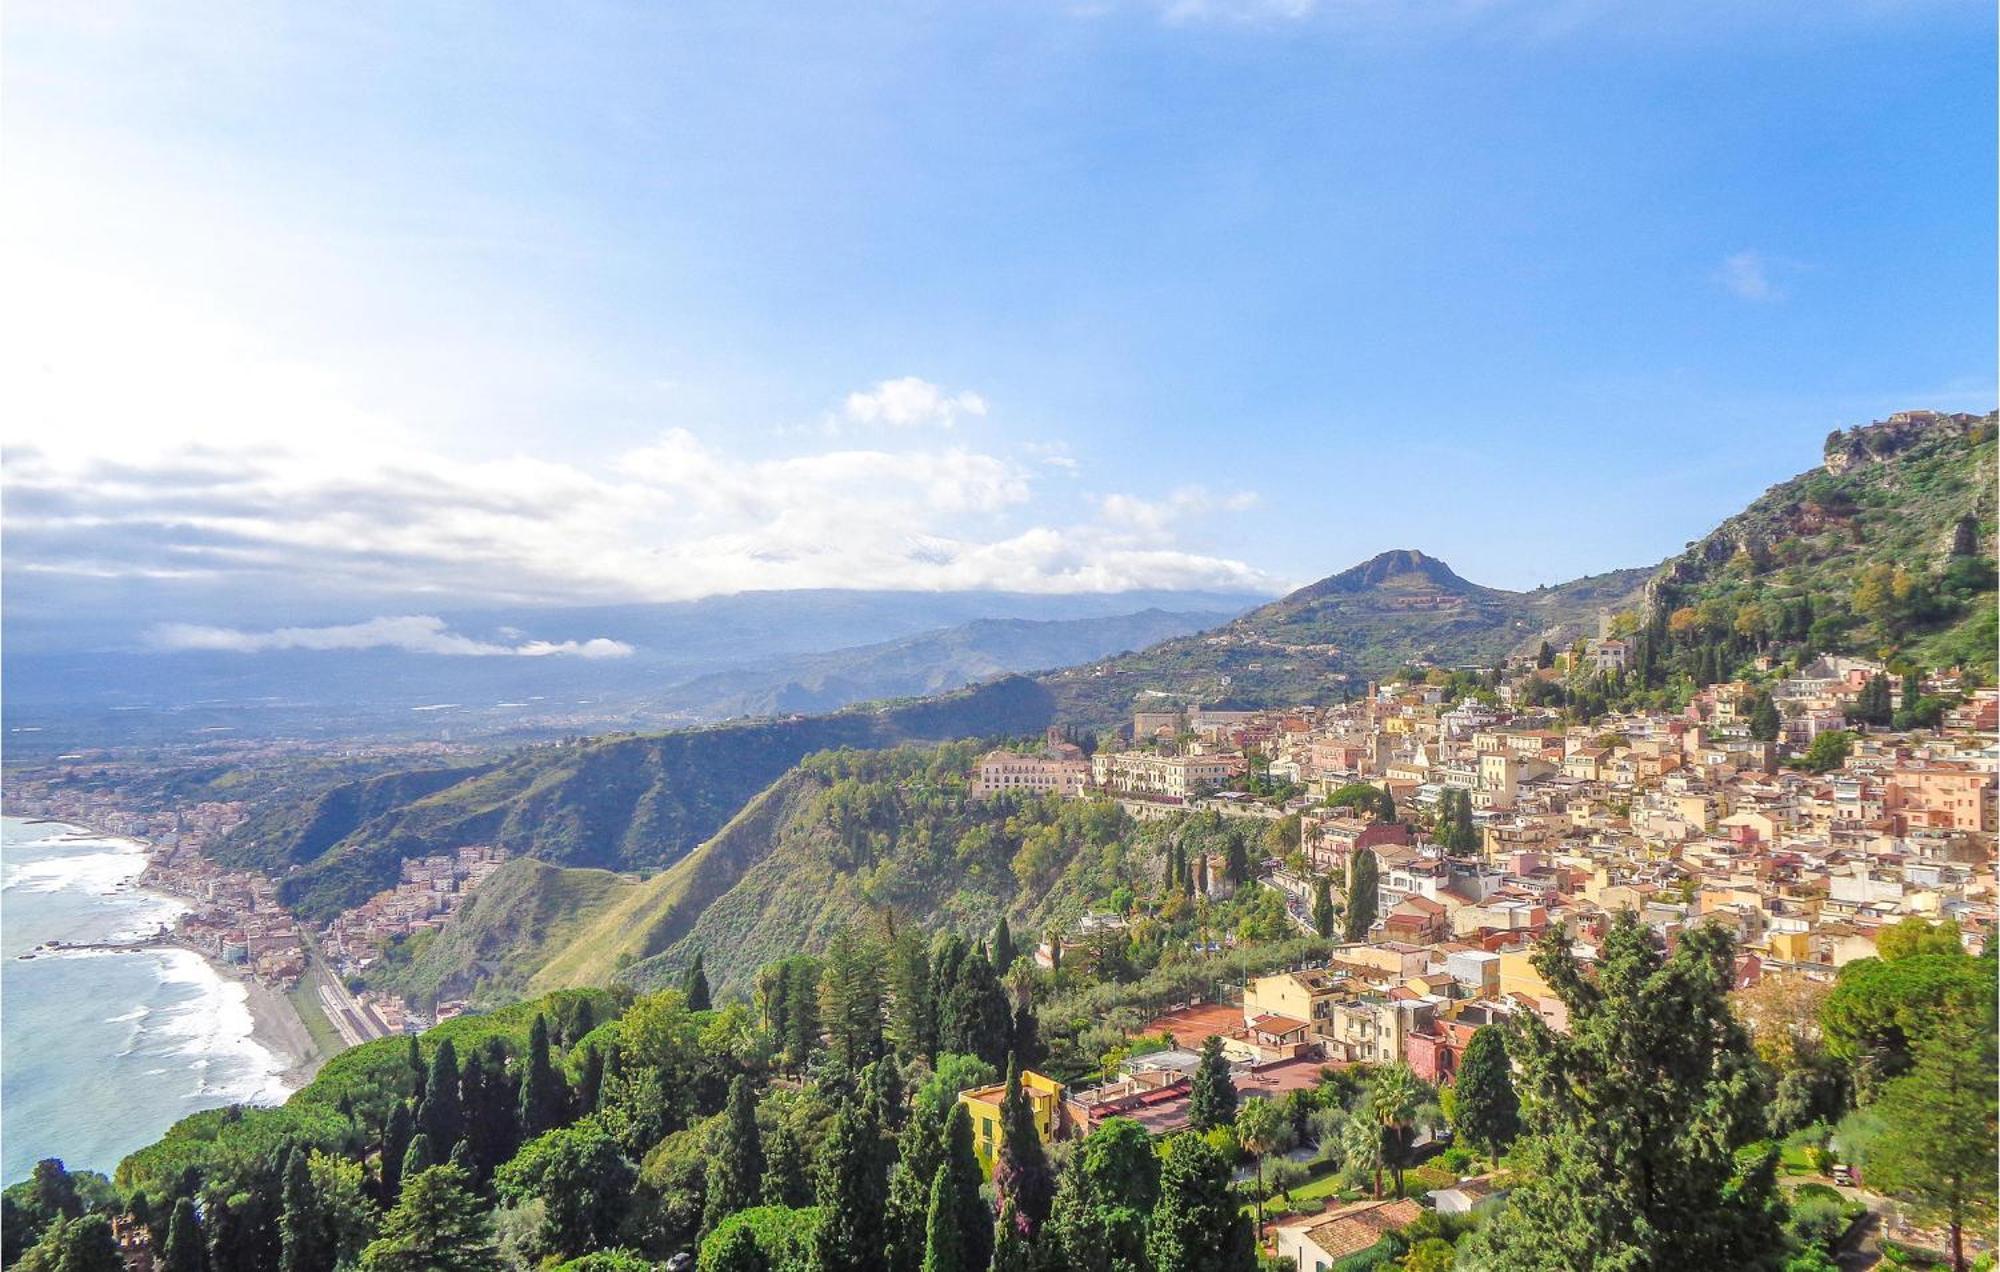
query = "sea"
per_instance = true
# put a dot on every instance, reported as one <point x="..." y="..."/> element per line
<point x="102" y="1052"/>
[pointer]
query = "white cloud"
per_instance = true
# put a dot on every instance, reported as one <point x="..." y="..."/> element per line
<point x="412" y="633"/>
<point x="1159" y="516"/>
<point x="1747" y="275"/>
<point x="672" y="520"/>
<point x="911" y="403"/>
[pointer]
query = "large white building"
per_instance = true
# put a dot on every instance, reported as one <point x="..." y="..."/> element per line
<point x="1162" y="776"/>
<point x="1030" y="774"/>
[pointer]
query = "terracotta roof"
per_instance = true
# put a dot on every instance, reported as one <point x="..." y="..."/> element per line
<point x="1354" y="1228"/>
<point x="1275" y="1024"/>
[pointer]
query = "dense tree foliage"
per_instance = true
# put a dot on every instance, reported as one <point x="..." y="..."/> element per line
<point x="1634" y="1118"/>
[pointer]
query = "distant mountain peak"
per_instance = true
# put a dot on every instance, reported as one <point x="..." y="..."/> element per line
<point x="1397" y="564"/>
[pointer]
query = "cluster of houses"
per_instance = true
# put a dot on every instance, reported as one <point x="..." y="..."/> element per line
<point x="429" y="890"/>
<point x="234" y="915"/>
<point x="1681" y="817"/>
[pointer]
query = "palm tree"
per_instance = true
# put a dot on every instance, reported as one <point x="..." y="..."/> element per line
<point x="1394" y="1099"/>
<point x="1258" y="1126"/>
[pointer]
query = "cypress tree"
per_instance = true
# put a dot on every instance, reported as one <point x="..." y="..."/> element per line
<point x="853" y="1192"/>
<point x="976" y="1020"/>
<point x="1012" y="1251"/>
<point x="1212" y="1097"/>
<point x="185" y="1250"/>
<point x="420" y="1157"/>
<point x="1486" y="1112"/>
<point x="441" y="1116"/>
<point x="396" y="1138"/>
<point x="944" y="1246"/>
<point x="961" y="1163"/>
<point x="736" y="1171"/>
<point x="694" y="985"/>
<point x="304" y="1245"/>
<point x="1765" y="723"/>
<point x="1027" y="1035"/>
<point x="1361" y="898"/>
<point x="544" y="1098"/>
<point x="1386" y="805"/>
<point x="415" y="1060"/>
<point x="1022" y="1175"/>
<point x="1197" y="1225"/>
<point x="592" y="1083"/>
<point x="1324" y="917"/>
<point x="1003" y="946"/>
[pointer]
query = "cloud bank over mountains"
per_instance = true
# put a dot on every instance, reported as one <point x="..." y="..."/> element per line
<point x="411" y="633"/>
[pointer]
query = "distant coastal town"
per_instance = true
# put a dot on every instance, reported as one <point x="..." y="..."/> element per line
<point x="235" y="918"/>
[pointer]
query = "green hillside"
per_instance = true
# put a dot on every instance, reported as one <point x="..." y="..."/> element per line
<point x="658" y="912"/>
<point x="856" y="834"/>
<point x="509" y="929"/>
<point x="1316" y="644"/>
<point x="1884" y="550"/>
<point x="619" y="802"/>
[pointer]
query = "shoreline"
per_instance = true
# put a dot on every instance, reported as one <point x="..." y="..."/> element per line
<point x="275" y="1023"/>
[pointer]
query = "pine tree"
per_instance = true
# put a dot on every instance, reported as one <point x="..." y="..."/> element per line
<point x="1021" y="1171"/>
<point x="1003" y="947"/>
<point x="186" y="1250"/>
<point x="1633" y="1117"/>
<point x="1197" y="1225"/>
<point x="1361" y="898"/>
<point x="441" y="1116"/>
<point x="544" y="1097"/>
<point x="912" y="1011"/>
<point x="1486" y="1111"/>
<point x="944" y="1247"/>
<point x="1325" y="917"/>
<point x="396" y="1138"/>
<point x="437" y="1226"/>
<point x="694" y="985"/>
<point x="851" y="998"/>
<point x="1212" y="1097"/>
<point x="1936" y="1151"/>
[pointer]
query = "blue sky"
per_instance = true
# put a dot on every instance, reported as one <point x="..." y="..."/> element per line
<point x="398" y="303"/>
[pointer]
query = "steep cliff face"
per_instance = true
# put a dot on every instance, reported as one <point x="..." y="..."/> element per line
<point x="1902" y="432"/>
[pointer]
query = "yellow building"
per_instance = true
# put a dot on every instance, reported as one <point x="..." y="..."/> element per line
<point x="1302" y="995"/>
<point x="983" y="1104"/>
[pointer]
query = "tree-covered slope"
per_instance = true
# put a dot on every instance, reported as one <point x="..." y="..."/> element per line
<point x="658" y="912"/>
<point x="627" y="802"/>
<point x="866" y="834"/>
<point x="506" y="932"/>
<point x="1887" y="548"/>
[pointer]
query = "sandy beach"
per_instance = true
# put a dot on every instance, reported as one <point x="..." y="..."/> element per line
<point x="275" y="1026"/>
